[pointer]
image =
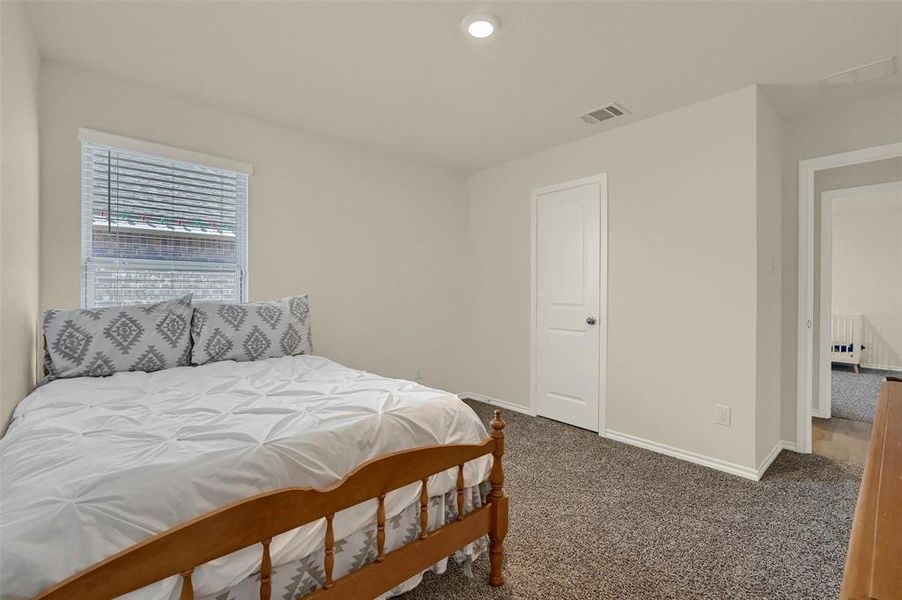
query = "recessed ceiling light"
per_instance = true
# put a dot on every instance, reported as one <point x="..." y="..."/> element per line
<point x="481" y="26"/>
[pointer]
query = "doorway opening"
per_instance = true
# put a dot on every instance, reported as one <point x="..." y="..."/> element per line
<point x="816" y="347"/>
<point x="860" y="306"/>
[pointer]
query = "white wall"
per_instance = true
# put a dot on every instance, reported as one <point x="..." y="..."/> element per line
<point x="769" y="364"/>
<point x="867" y="272"/>
<point x="870" y="122"/>
<point x="376" y="242"/>
<point x="691" y="245"/>
<point x="19" y="194"/>
<point x="684" y="267"/>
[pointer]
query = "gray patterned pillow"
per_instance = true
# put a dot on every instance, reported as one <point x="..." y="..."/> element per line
<point x="103" y="341"/>
<point x="251" y="331"/>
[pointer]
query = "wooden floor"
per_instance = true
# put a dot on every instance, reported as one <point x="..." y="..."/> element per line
<point x="842" y="439"/>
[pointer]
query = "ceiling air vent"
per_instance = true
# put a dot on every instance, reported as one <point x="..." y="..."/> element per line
<point x="876" y="70"/>
<point x="608" y="111"/>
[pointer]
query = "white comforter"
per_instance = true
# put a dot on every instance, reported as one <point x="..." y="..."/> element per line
<point x="91" y="466"/>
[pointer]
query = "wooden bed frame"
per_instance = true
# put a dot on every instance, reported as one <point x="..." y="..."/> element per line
<point x="258" y="519"/>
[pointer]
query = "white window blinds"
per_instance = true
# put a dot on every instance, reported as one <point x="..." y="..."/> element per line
<point x="154" y="228"/>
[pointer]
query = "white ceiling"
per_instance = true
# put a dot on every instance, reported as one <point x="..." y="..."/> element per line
<point x="403" y="79"/>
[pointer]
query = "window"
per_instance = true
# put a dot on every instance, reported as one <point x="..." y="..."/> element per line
<point x="156" y="227"/>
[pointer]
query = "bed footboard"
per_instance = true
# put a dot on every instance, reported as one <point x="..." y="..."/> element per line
<point x="258" y="519"/>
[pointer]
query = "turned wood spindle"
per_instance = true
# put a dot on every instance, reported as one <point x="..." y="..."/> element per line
<point x="187" y="586"/>
<point x="460" y="492"/>
<point x="266" y="572"/>
<point x="498" y="528"/>
<point x="424" y="510"/>
<point x="329" y="561"/>
<point x="496" y="477"/>
<point x="380" y="529"/>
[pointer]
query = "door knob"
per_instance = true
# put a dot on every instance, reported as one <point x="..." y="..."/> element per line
<point x="591" y="320"/>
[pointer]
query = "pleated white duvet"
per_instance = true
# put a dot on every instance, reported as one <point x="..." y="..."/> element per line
<point x="92" y="465"/>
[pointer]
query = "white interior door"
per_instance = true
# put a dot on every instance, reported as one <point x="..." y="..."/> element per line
<point x="570" y="324"/>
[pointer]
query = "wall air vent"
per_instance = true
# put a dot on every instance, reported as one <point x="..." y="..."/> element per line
<point x="608" y="111"/>
<point x="876" y="70"/>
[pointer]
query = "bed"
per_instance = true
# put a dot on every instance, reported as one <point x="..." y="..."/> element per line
<point x="846" y="347"/>
<point x="230" y="480"/>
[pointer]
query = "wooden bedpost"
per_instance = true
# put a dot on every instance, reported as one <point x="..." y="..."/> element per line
<point x="498" y="500"/>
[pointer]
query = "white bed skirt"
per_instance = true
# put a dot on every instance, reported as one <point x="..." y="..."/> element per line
<point x="300" y="577"/>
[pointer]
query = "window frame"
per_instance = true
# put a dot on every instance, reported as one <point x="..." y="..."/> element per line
<point x="92" y="138"/>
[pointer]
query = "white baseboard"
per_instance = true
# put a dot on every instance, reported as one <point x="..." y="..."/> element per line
<point x="882" y="367"/>
<point x="765" y="464"/>
<point x="693" y="457"/>
<point x="791" y="446"/>
<point x="781" y="445"/>
<point x="499" y="403"/>
<point x="816" y="412"/>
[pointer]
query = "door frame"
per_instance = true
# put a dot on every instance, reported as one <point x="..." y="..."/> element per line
<point x="602" y="181"/>
<point x="825" y="397"/>
<point x="805" y="371"/>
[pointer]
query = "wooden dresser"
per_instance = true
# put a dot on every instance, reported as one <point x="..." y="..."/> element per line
<point x="874" y="563"/>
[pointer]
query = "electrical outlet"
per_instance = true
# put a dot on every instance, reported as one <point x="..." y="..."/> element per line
<point x="722" y="415"/>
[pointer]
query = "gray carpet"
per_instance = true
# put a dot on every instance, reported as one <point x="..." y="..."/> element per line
<point x="593" y="518"/>
<point x="854" y="396"/>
